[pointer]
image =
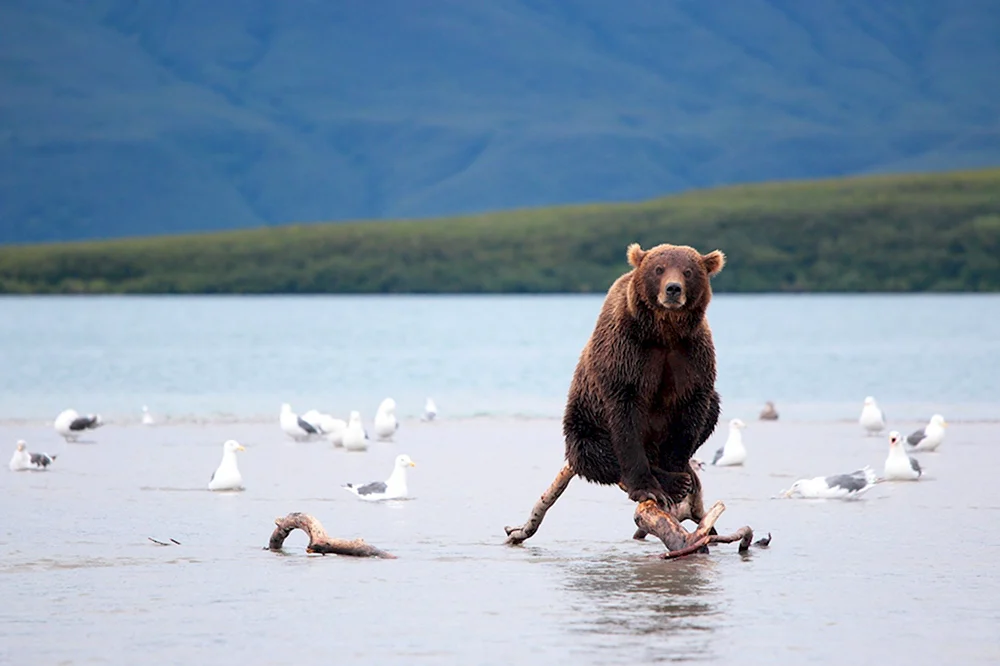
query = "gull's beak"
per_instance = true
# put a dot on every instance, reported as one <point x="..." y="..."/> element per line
<point x="944" y="424"/>
<point x="240" y="448"/>
<point x="786" y="493"/>
<point x="413" y="464"/>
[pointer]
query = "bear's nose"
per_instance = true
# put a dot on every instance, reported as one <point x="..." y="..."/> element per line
<point x="673" y="289"/>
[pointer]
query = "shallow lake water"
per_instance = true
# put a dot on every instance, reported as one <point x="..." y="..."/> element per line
<point x="906" y="574"/>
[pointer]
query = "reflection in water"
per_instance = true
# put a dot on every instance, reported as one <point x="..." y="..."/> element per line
<point x="667" y="605"/>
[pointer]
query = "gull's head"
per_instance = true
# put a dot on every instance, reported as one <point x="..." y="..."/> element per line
<point x="895" y="439"/>
<point x="794" y="490"/>
<point x="869" y="401"/>
<point x="285" y="407"/>
<point x="21" y="444"/>
<point x="737" y="424"/>
<point x="355" y="419"/>
<point x="939" y="421"/>
<point x="233" y="445"/>
<point x="388" y="405"/>
<point x="403" y="460"/>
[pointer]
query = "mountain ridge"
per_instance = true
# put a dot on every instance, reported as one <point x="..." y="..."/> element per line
<point x="139" y="117"/>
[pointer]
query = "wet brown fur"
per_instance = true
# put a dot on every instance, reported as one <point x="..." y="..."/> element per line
<point x="643" y="397"/>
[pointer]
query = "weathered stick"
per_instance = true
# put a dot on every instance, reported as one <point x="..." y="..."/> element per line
<point x="516" y="535"/>
<point x="679" y="542"/>
<point x="319" y="540"/>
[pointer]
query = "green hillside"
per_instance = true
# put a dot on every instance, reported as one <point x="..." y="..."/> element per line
<point x="937" y="232"/>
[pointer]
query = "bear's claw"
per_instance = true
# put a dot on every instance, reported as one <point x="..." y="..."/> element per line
<point x="676" y="485"/>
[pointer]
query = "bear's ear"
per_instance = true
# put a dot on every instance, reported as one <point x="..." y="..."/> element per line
<point x="635" y="254"/>
<point x="713" y="262"/>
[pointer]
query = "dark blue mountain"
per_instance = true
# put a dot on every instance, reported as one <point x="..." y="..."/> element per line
<point x="134" y="117"/>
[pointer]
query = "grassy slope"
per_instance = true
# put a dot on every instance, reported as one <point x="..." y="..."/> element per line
<point x="887" y="233"/>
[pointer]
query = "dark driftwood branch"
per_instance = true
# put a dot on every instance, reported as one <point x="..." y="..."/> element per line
<point x="319" y="540"/>
<point x="516" y="535"/>
<point x="650" y="519"/>
<point x="679" y="542"/>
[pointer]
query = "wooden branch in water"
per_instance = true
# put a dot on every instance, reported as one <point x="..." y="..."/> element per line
<point x="651" y="519"/>
<point x="516" y="535"/>
<point x="319" y="540"/>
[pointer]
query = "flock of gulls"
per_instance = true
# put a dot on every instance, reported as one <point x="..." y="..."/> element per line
<point x="312" y="425"/>
<point x="353" y="436"/>
<point x="899" y="464"/>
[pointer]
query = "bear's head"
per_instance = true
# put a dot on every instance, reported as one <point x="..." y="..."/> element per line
<point x="673" y="277"/>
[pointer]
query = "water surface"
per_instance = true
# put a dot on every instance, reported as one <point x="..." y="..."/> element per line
<point x="241" y="357"/>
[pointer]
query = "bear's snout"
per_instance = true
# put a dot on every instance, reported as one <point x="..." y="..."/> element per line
<point x="672" y="296"/>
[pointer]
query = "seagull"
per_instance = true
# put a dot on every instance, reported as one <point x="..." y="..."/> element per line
<point x="430" y="410"/>
<point x="838" y="486"/>
<point x="929" y="437"/>
<point x="295" y="426"/>
<point x="769" y="413"/>
<point x="332" y="429"/>
<point x="386" y="424"/>
<point x="733" y="452"/>
<point x="71" y="425"/>
<point x="899" y="466"/>
<point x="872" y="418"/>
<point x="227" y="475"/>
<point x="355" y="438"/>
<point x="147" y="418"/>
<point x="22" y="460"/>
<point x="392" y="488"/>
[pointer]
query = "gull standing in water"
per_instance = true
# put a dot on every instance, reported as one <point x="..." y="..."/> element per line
<point x="929" y="437"/>
<point x="71" y="425"/>
<point x="386" y="424"/>
<point x="355" y="438"/>
<point x="732" y="452"/>
<point x="295" y="426"/>
<point x="898" y="465"/>
<point x="430" y="410"/>
<point x="872" y="418"/>
<point x="227" y="476"/>
<point x="23" y="460"/>
<point x="392" y="488"/>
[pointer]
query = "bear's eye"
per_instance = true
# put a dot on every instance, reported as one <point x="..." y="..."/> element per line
<point x="659" y="270"/>
<point x="688" y="273"/>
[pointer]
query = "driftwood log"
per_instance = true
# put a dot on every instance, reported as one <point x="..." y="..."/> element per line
<point x="650" y="518"/>
<point x="319" y="540"/>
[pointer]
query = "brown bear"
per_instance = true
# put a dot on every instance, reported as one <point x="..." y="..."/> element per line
<point x="643" y="395"/>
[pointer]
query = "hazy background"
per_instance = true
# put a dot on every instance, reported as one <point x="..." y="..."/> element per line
<point x="133" y="117"/>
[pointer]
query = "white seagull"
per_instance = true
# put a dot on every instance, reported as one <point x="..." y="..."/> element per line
<point x="732" y="452"/>
<point x="355" y="438"/>
<point x="386" y="424"/>
<point x="392" y="488"/>
<point x="332" y="429"/>
<point x="147" y="418"/>
<point x="838" y="486"/>
<point x="898" y="465"/>
<point x="872" y="418"/>
<point x="227" y="476"/>
<point x="430" y="410"/>
<point x="22" y="460"/>
<point x="295" y="426"/>
<point x="929" y="437"/>
<point x="71" y="425"/>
